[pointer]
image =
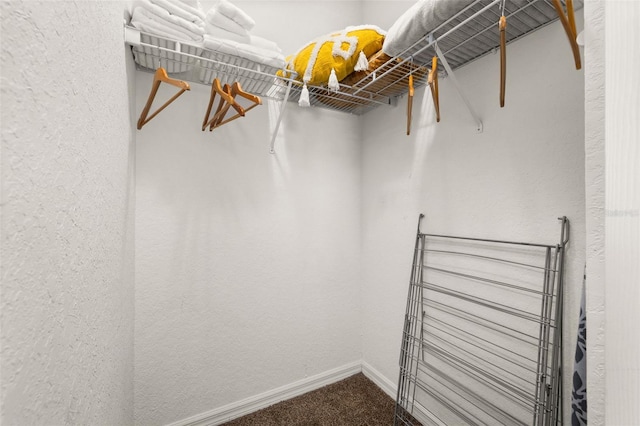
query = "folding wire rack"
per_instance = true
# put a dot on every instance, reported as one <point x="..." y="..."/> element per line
<point x="482" y="338"/>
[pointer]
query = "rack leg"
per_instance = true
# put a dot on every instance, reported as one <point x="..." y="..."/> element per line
<point x="282" y="107"/>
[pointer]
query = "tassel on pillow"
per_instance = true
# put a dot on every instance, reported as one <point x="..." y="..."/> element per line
<point x="333" y="82"/>
<point x="363" y="63"/>
<point x="304" y="97"/>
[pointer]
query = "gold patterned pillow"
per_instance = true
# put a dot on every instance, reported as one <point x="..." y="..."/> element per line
<point x="335" y="53"/>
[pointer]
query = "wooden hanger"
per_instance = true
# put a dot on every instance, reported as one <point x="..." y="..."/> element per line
<point x="223" y="107"/>
<point x="410" y="104"/>
<point x="233" y="91"/>
<point x="160" y="77"/>
<point x="225" y="97"/>
<point x="236" y="90"/>
<point x="433" y="85"/>
<point x="569" y="24"/>
<point x="502" y="25"/>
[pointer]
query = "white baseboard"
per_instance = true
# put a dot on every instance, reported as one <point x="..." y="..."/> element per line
<point x="381" y="381"/>
<point x="257" y="402"/>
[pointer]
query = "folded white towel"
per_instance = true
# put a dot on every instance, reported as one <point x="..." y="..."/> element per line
<point x="236" y="14"/>
<point x="193" y="3"/>
<point x="256" y="41"/>
<point x="155" y="28"/>
<point x="247" y="51"/>
<point x="183" y="10"/>
<point x="218" y="32"/>
<point x="164" y="15"/>
<point x="419" y="20"/>
<point x="263" y="43"/>
<point x="149" y="22"/>
<point x="215" y="18"/>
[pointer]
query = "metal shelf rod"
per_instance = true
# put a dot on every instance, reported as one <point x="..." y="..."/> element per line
<point x="433" y="374"/>
<point x="490" y="241"/>
<point x="485" y="257"/>
<point x="499" y="327"/>
<point x="487" y="280"/>
<point x="432" y="318"/>
<point x="486" y="303"/>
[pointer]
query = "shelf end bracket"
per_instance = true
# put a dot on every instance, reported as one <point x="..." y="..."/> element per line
<point x="450" y="73"/>
<point x="282" y="109"/>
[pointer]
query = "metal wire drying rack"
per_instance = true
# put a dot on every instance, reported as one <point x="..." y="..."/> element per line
<point x="482" y="338"/>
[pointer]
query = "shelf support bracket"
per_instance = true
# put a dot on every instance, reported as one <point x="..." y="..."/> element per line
<point x="458" y="87"/>
<point x="131" y="36"/>
<point x="282" y="109"/>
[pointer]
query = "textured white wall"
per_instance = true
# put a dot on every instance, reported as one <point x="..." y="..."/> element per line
<point x="66" y="230"/>
<point x="510" y="182"/>
<point x="622" y="213"/>
<point x="594" y="54"/>
<point x="247" y="263"/>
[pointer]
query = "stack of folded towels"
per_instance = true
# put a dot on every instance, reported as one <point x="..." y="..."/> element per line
<point x="227" y="29"/>
<point x="182" y="20"/>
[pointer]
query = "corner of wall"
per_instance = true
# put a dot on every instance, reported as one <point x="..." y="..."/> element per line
<point x="594" y="209"/>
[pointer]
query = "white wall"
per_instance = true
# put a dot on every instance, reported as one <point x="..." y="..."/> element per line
<point x="622" y="213"/>
<point x="66" y="235"/>
<point x="247" y="264"/>
<point x="510" y="182"/>
<point x="613" y="237"/>
<point x="594" y="54"/>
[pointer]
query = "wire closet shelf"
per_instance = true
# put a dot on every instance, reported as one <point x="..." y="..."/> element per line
<point x="482" y="337"/>
<point x="196" y="64"/>
<point x="465" y="37"/>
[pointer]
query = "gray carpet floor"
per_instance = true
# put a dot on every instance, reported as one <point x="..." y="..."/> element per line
<point x="354" y="401"/>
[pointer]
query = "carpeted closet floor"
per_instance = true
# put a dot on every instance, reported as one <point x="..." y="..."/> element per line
<point x="354" y="401"/>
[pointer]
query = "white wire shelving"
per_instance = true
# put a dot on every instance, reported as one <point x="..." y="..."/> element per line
<point x="468" y="35"/>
